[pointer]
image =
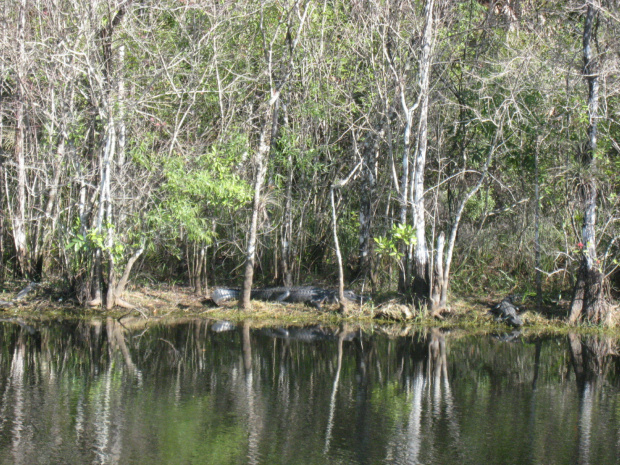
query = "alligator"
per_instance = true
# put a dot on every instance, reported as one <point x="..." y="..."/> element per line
<point x="506" y="312"/>
<point x="19" y="296"/>
<point x="314" y="296"/>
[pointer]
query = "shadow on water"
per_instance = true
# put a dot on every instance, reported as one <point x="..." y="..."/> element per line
<point x="200" y="391"/>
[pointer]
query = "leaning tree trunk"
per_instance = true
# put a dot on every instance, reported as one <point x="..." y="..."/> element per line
<point x="588" y="300"/>
<point x="339" y="184"/>
<point x="443" y="262"/>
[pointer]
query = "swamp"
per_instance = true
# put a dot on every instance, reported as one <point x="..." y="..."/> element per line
<point x="199" y="390"/>
<point x="309" y="231"/>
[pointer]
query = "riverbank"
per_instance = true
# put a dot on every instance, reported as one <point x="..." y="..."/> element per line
<point x="162" y="302"/>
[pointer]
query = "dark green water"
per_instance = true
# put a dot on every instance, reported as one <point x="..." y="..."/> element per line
<point x="100" y="392"/>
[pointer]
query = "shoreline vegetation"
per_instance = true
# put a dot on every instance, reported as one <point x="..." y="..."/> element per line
<point x="420" y="149"/>
<point x="165" y="303"/>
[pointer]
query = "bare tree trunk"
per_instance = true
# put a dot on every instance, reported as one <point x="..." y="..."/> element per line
<point x="443" y="283"/>
<point x="286" y="236"/>
<point x="342" y="303"/>
<point x="405" y="276"/>
<point x="370" y="160"/>
<point x="537" y="229"/>
<point x="204" y="279"/>
<point x="100" y="227"/>
<point x="422" y="279"/>
<point x="338" y="184"/>
<point x="588" y="299"/>
<point x="118" y="289"/>
<point x="268" y="129"/>
<point x="259" y="178"/>
<point x="111" y="102"/>
<point x="120" y="121"/>
<point x="438" y="278"/>
<point x="19" y="215"/>
<point x="47" y="226"/>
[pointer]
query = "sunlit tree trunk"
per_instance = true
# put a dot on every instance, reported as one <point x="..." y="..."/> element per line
<point x="342" y="303"/>
<point x="588" y="301"/>
<point x="268" y="125"/>
<point x="259" y="179"/>
<point x="110" y="87"/>
<point x="422" y="278"/>
<point x="19" y="214"/>
<point x="405" y="270"/>
<point x="443" y="261"/>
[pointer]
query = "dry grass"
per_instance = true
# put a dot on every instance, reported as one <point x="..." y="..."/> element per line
<point x="175" y="302"/>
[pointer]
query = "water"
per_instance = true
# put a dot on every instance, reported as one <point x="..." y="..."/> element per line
<point x="204" y="392"/>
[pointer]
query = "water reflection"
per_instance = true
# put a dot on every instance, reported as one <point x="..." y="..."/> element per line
<point x="198" y="391"/>
<point x="590" y="357"/>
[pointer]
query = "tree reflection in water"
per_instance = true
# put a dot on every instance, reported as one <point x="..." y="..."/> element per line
<point x="590" y="357"/>
<point x="428" y="391"/>
<point x="197" y="391"/>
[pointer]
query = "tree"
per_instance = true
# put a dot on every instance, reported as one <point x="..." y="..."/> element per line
<point x="589" y="301"/>
<point x="278" y="72"/>
<point x="421" y="286"/>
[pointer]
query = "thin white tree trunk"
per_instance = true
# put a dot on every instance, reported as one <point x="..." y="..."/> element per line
<point x="19" y="216"/>
<point x="268" y="130"/>
<point x="445" y="278"/>
<point x="421" y="284"/>
<point x="259" y="179"/>
<point x="342" y="303"/>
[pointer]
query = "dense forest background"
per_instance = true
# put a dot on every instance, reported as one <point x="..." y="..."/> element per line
<point x="428" y="143"/>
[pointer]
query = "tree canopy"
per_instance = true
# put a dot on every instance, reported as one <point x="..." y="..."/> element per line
<point x="158" y="134"/>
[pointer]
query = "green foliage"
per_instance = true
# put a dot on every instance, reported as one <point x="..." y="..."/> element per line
<point x="196" y="79"/>
<point x="197" y="190"/>
<point x="96" y="239"/>
<point x="391" y="245"/>
<point x="481" y="202"/>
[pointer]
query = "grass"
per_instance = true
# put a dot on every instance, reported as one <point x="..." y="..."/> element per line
<point x="163" y="303"/>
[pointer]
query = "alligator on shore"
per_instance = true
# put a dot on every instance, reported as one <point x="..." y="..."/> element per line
<point x="506" y="312"/>
<point x="314" y="296"/>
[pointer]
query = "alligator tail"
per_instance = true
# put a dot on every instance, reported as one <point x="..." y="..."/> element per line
<point x="221" y="295"/>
